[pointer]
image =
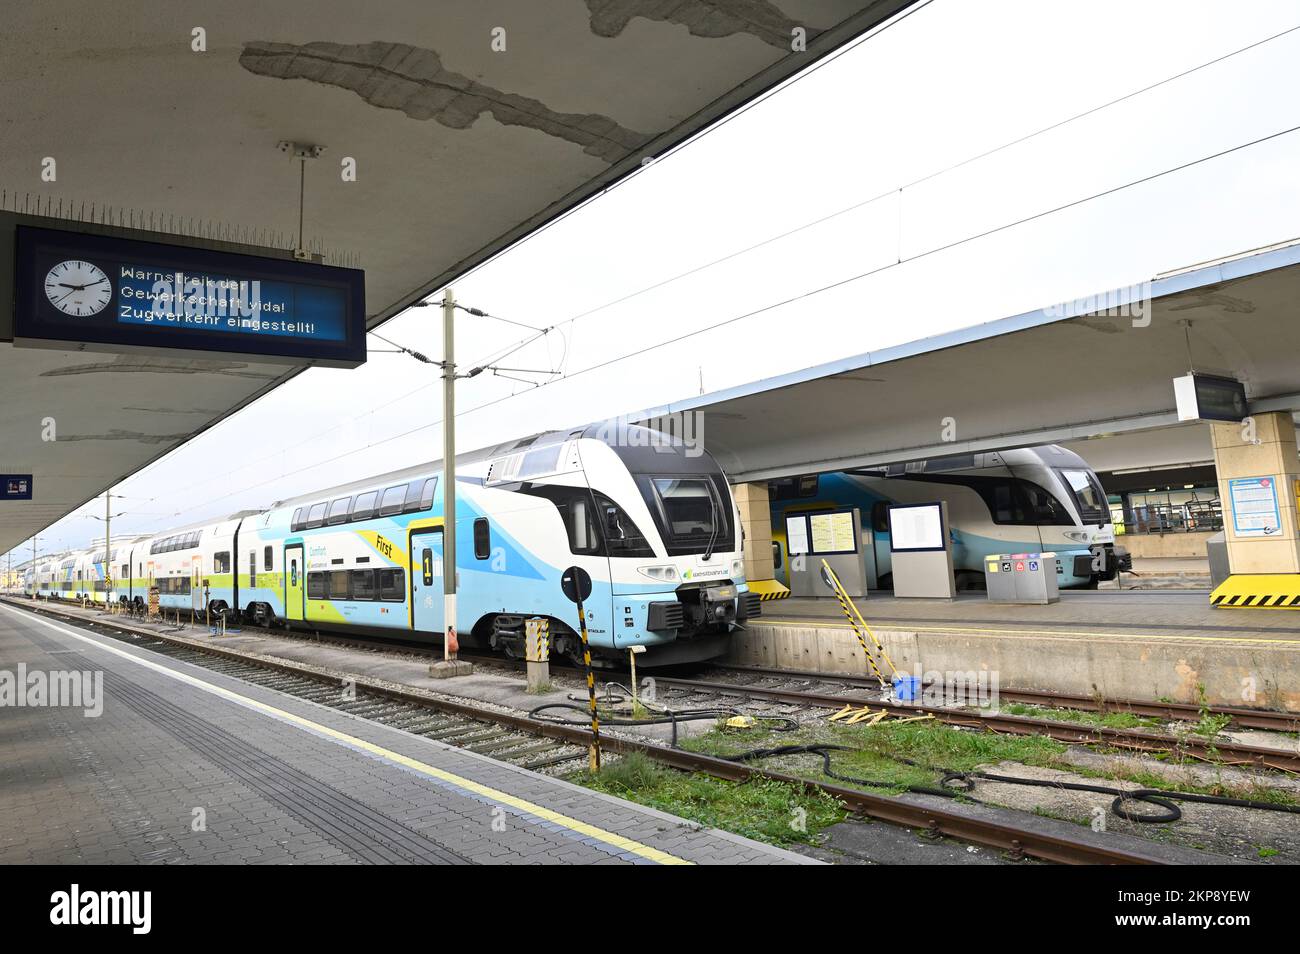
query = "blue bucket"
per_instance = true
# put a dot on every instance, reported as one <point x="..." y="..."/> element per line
<point x="907" y="688"/>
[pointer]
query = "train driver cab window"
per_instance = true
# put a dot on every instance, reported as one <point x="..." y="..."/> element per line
<point x="316" y="516"/>
<point x="363" y="507"/>
<point x="392" y="501"/>
<point x="482" y="539"/>
<point x="622" y="537"/>
<point x="338" y="511"/>
<point x="221" y="562"/>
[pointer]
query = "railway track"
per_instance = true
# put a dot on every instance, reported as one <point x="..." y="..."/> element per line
<point x="1234" y="753"/>
<point x="1242" y="717"/>
<point x="548" y="746"/>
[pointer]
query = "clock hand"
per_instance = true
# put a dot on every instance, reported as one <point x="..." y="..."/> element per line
<point x="73" y="287"/>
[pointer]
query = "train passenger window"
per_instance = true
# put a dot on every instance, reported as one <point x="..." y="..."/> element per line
<point x="252" y="568"/>
<point x="363" y="584"/>
<point x="482" y="539"/>
<point x="339" y="585"/>
<point x="338" y="512"/>
<point x="316" y="516"/>
<point x="426" y="495"/>
<point x="426" y="565"/>
<point x="414" y="490"/>
<point x="392" y="585"/>
<point x="267" y="558"/>
<point x="363" y="508"/>
<point x="316" y="588"/>
<point x="221" y="562"/>
<point x="297" y="522"/>
<point x="392" y="501"/>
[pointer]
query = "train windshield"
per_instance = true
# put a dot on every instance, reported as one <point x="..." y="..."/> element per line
<point x="692" y="515"/>
<point x="1088" y="495"/>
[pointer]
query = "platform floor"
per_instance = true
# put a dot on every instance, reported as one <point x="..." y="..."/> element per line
<point x="185" y="765"/>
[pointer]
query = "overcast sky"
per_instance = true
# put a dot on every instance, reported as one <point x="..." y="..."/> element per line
<point x="949" y="83"/>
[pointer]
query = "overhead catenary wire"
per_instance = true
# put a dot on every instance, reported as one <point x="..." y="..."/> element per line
<point x="801" y="296"/>
<point x="562" y="364"/>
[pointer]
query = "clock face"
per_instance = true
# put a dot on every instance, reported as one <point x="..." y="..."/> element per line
<point x="78" y="288"/>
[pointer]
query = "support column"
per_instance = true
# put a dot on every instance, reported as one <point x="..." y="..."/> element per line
<point x="756" y="521"/>
<point x="1256" y="462"/>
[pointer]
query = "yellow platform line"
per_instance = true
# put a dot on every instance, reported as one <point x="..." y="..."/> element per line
<point x="485" y="791"/>
<point x="990" y="633"/>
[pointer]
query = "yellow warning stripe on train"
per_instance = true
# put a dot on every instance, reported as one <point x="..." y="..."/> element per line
<point x="1258" y="591"/>
<point x="769" y="589"/>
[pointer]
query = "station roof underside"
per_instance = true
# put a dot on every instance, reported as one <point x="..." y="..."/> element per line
<point x="1097" y="383"/>
<point x="461" y="149"/>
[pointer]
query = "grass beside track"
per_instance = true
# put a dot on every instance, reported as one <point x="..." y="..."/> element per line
<point x="890" y="755"/>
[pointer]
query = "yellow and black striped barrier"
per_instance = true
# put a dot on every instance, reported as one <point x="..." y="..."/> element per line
<point x="1258" y="591"/>
<point x="769" y="589"/>
<point x="855" y="618"/>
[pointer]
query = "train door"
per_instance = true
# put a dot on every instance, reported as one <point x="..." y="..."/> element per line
<point x="196" y="585"/>
<point x="294" y="571"/>
<point x="427" y="608"/>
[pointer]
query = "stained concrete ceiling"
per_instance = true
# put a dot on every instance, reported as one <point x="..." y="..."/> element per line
<point x="460" y="148"/>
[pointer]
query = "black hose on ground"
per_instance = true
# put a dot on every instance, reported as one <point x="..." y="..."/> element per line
<point x="955" y="784"/>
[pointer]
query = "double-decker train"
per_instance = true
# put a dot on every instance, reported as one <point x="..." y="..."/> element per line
<point x="1032" y="499"/>
<point x="649" y="517"/>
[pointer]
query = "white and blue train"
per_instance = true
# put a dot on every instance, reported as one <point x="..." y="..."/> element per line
<point x="1033" y="499"/>
<point x="651" y="519"/>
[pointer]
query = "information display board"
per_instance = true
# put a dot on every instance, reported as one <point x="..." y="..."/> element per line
<point x="832" y="532"/>
<point x="105" y="293"/>
<point x="916" y="527"/>
<point x="1255" y="511"/>
<point x="821" y="534"/>
<point x="796" y="535"/>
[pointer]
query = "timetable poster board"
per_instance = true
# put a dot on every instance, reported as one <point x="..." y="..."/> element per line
<point x="796" y="535"/>
<point x="916" y="527"/>
<point x="1255" y="511"/>
<point x="832" y="532"/>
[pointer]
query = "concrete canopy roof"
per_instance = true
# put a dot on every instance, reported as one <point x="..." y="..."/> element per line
<point x="1043" y="377"/>
<point x="460" y="150"/>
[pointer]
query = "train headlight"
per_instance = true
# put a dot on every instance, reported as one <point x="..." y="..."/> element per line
<point x="1078" y="536"/>
<point x="661" y="574"/>
<point x="737" y="570"/>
